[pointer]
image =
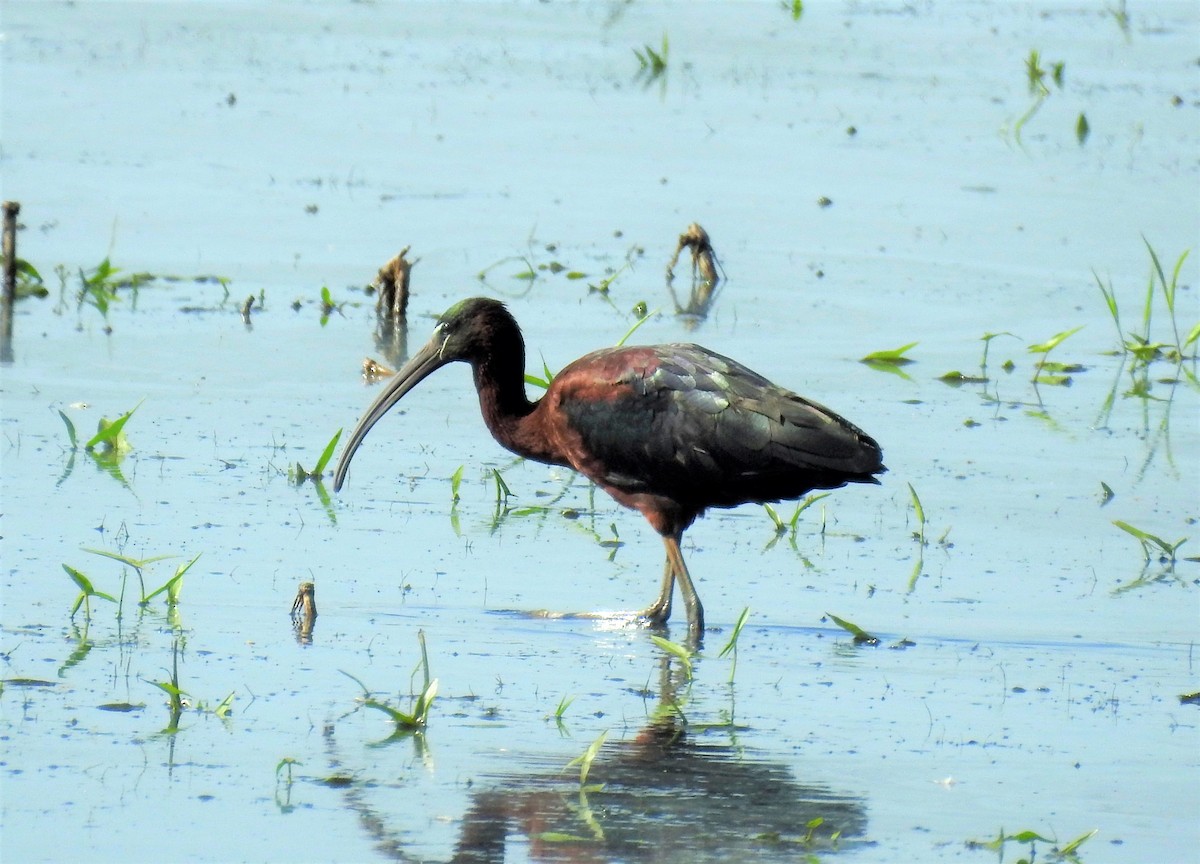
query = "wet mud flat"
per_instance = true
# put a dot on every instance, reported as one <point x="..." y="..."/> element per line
<point x="870" y="176"/>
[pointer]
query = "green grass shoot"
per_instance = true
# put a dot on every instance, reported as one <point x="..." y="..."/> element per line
<point x="731" y="645"/>
<point x="560" y="711"/>
<point x="780" y="527"/>
<point x="29" y="281"/>
<point x="645" y="316"/>
<point x="1068" y="852"/>
<point x="503" y="493"/>
<point x="110" y="436"/>
<point x="286" y="764"/>
<point x="1044" y="349"/>
<point x="890" y="356"/>
<point x="956" y="378"/>
<point x="416" y="719"/>
<point x="139" y="565"/>
<point x="328" y="307"/>
<point x="1151" y="542"/>
<point x="455" y="483"/>
<point x="544" y="382"/>
<point x="98" y="287"/>
<point x="919" y="511"/>
<point x="1139" y="344"/>
<point x="172" y="587"/>
<point x="174" y="700"/>
<point x="174" y="693"/>
<point x="585" y="759"/>
<point x="298" y="474"/>
<point x="802" y="505"/>
<point x="327" y="454"/>
<point x="1169" y="288"/>
<point x="653" y="63"/>
<point x="987" y="338"/>
<point x="86" y="592"/>
<point x="861" y="636"/>
<point x="681" y="652"/>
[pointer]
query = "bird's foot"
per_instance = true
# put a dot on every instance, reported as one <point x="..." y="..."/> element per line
<point x="655" y="616"/>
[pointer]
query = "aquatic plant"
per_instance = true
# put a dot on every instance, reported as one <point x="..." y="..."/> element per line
<point x="1139" y="345"/>
<point x="1048" y="372"/>
<point x="29" y="280"/>
<point x="172" y="587"/>
<point x="328" y="307"/>
<point x="503" y="493"/>
<point x="731" y="645"/>
<point x="652" y="64"/>
<point x="298" y="475"/>
<point x="107" y="447"/>
<point x="643" y="317"/>
<point x="956" y="377"/>
<point x="780" y="527"/>
<point x="1152" y="542"/>
<point x="919" y="512"/>
<point x="585" y="760"/>
<point x="890" y="356"/>
<point x="861" y="636"/>
<point x="416" y="719"/>
<point x="682" y="652"/>
<point x="1068" y="853"/>
<point x="544" y="383"/>
<point x="1035" y="75"/>
<point x="98" y="287"/>
<point x="563" y="704"/>
<point x="174" y="693"/>
<point x="1082" y="128"/>
<point x="86" y="593"/>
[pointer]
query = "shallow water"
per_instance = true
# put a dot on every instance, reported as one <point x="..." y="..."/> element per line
<point x="1041" y="689"/>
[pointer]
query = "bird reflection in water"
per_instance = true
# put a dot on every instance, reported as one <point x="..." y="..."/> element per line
<point x="662" y="796"/>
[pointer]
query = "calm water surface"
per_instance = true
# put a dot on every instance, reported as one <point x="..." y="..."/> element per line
<point x="872" y="175"/>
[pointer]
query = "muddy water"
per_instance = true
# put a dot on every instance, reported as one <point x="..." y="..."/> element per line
<point x="1030" y="659"/>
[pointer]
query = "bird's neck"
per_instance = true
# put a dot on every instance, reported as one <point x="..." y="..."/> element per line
<point x="511" y="418"/>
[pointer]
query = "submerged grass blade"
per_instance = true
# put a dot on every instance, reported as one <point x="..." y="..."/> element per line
<point x="861" y="636"/>
<point x="893" y="356"/>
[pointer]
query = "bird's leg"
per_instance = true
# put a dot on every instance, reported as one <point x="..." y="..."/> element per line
<point x="691" y="600"/>
<point x="660" y="610"/>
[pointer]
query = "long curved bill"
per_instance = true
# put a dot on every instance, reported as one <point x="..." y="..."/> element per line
<point x="428" y="359"/>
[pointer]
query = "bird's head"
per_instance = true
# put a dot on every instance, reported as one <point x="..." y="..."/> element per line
<point x="468" y="331"/>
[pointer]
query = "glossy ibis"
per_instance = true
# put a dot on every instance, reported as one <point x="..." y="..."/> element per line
<point x="669" y="430"/>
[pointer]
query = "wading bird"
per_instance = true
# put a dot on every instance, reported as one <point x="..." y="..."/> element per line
<point x="668" y="430"/>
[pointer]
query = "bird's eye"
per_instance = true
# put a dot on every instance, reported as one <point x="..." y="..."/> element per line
<point x="441" y="330"/>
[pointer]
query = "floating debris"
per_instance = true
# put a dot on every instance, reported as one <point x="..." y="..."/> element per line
<point x="304" y="612"/>
<point x="704" y="259"/>
<point x="391" y="283"/>
<point x="374" y="371"/>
